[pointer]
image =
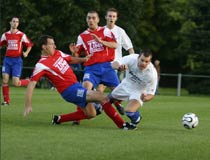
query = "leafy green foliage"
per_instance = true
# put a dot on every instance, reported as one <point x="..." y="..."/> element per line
<point x="176" y="31"/>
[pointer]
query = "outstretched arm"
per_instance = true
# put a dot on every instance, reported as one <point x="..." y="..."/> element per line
<point x="29" y="93"/>
<point x="76" y="60"/>
<point x="121" y="67"/>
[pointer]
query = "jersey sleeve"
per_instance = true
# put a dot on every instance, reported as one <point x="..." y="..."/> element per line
<point x="109" y="35"/>
<point x="26" y="41"/>
<point x="38" y="72"/>
<point x="151" y="86"/>
<point x="3" y="40"/>
<point x="129" y="59"/>
<point x="65" y="56"/>
<point x="81" y="45"/>
<point x="126" y="42"/>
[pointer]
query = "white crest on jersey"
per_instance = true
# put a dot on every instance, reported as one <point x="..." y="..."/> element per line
<point x="95" y="46"/>
<point x="61" y="64"/>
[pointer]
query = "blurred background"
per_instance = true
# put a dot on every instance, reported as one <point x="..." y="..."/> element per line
<point x="177" y="31"/>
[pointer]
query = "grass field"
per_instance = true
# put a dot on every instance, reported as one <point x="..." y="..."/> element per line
<point x="160" y="136"/>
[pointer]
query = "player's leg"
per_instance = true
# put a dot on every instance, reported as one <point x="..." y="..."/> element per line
<point x="16" y="73"/>
<point x="6" y="70"/>
<point x="5" y="89"/>
<point x="107" y="107"/>
<point x="76" y="94"/>
<point x="89" y="80"/>
<point x="110" y="79"/>
<point x="101" y="88"/>
<point x="132" y="112"/>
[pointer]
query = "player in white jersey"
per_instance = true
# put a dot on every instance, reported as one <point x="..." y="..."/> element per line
<point x="139" y="84"/>
<point x="123" y="41"/>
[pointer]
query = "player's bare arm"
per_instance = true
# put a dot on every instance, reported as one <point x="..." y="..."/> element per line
<point x="29" y="93"/>
<point x="121" y="67"/>
<point x="131" y="51"/>
<point x="76" y="60"/>
<point x="105" y="43"/>
<point x="25" y="54"/>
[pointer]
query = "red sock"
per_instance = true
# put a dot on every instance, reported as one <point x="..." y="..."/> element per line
<point x="117" y="103"/>
<point x="112" y="113"/>
<point x="74" y="116"/>
<point x="24" y="82"/>
<point x="5" y="91"/>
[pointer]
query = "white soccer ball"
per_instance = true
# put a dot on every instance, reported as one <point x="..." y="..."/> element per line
<point x="190" y="120"/>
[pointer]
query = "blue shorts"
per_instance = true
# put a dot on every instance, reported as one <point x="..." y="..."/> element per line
<point x="12" y="66"/>
<point x="101" y="73"/>
<point x="75" y="94"/>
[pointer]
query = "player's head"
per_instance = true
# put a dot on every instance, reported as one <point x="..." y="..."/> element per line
<point x="14" y="22"/>
<point x="156" y="62"/>
<point x="145" y="57"/>
<point x="92" y="20"/>
<point x="47" y="44"/>
<point x="111" y="16"/>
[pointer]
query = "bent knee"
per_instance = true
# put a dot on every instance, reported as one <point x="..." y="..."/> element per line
<point x="90" y="116"/>
<point x="16" y="84"/>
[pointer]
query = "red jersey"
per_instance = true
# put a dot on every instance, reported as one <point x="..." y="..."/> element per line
<point x="14" y="42"/>
<point x="100" y="53"/>
<point x="56" y="68"/>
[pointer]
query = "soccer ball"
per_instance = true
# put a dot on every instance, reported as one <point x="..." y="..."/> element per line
<point x="190" y="120"/>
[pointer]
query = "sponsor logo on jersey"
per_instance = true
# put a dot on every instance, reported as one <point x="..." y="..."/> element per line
<point x="95" y="46"/>
<point x="12" y="45"/>
<point x="61" y="64"/>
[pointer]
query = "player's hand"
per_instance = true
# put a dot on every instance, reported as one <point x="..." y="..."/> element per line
<point x="143" y="97"/>
<point x="96" y="38"/>
<point x="122" y="67"/>
<point x="27" y="111"/>
<point x="88" y="57"/>
<point x="73" y="49"/>
<point x="25" y="54"/>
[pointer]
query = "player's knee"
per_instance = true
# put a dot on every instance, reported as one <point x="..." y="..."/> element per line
<point x="92" y="115"/>
<point x="16" y="83"/>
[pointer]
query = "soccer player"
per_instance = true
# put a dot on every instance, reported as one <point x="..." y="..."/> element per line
<point x="123" y="41"/>
<point x="139" y="84"/>
<point x="14" y="39"/>
<point x="101" y="44"/>
<point x="54" y="65"/>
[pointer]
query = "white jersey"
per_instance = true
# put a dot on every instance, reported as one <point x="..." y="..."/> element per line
<point x="136" y="81"/>
<point x="123" y="41"/>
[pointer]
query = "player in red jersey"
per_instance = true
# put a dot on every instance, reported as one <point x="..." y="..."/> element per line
<point x="101" y="44"/>
<point x="54" y="65"/>
<point x="12" y="65"/>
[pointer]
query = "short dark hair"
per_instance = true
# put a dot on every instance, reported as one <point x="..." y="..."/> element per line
<point x="93" y="11"/>
<point x="111" y="10"/>
<point x="43" y="40"/>
<point x="146" y="53"/>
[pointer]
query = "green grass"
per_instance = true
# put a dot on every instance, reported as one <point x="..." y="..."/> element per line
<point x="160" y="136"/>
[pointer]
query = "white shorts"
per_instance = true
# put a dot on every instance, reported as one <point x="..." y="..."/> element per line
<point x="126" y="93"/>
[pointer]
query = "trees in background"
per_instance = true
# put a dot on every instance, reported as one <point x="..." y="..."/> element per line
<point x="176" y="31"/>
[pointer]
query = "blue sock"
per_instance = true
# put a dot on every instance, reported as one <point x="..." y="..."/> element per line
<point x="134" y="116"/>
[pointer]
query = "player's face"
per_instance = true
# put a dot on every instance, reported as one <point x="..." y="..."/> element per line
<point x="14" y="23"/>
<point x="50" y="47"/>
<point x="111" y="18"/>
<point x="143" y="62"/>
<point x="92" y="21"/>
